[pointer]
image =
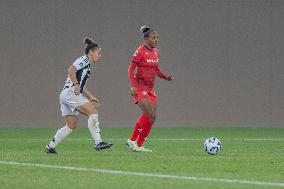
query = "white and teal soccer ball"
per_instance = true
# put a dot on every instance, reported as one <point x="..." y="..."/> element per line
<point x="212" y="145"/>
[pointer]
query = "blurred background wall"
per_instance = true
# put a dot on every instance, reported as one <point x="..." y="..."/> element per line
<point x="227" y="57"/>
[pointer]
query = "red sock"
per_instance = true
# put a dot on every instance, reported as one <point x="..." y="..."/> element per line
<point x="146" y="128"/>
<point x="136" y="129"/>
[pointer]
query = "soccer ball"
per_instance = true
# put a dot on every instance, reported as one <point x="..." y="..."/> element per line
<point x="212" y="145"/>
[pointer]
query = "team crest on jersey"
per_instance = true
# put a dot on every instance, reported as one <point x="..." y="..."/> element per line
<point x="81" y="64"/>
<point x="144" y="93"/>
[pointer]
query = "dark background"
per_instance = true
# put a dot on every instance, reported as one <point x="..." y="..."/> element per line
<point x="226" y="55"/>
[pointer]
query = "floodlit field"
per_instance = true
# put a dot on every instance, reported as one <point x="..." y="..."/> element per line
<point x="250" y="158"/>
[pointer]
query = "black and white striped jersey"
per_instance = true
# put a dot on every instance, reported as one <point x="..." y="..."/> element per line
<point x="83" y="72"/>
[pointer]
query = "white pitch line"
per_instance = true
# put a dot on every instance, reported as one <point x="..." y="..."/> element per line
<point x="154" y="139"/>
<point x="280" y="184"/>
<point x="237" y="139"/>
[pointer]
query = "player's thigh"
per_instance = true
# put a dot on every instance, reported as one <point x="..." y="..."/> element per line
<point x="87" y="109"/>
<point x="146" y="107"/>
<point x="71" y="121"/>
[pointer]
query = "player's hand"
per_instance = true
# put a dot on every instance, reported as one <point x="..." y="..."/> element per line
<point x="133" y="91"/>
<point x="95" y="102"/>
<point x="77" y="89"/>
<point x="94" y="99"/>
<point x="170" y="77"/>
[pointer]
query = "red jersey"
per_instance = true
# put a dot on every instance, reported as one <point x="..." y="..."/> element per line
<point x="146" y="61"/>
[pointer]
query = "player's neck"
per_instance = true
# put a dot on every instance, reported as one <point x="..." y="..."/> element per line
<point x="148" y="47"/>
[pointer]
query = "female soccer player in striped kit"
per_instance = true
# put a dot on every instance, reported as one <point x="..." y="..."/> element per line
<point x="75" y="98"/>
<point x="145" y="61"/>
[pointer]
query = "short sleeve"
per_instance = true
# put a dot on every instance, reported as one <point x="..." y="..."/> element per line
<point x="81" y="63"/>
<point x="136" y="57"/>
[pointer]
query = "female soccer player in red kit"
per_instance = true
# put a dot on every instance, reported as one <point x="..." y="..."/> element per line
<point x="145" y="62"/>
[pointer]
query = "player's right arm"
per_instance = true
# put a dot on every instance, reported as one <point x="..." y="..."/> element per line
<point x="72" y="75"/>
<point x="77" y="65"/>
<point x="135" y="59"/>
<point x="133" y="84"/>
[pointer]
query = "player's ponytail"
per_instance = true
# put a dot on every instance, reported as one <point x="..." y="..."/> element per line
<point x="90" y="45"/>
<point x="88" y="41"/>
<point x="145" y="31"/>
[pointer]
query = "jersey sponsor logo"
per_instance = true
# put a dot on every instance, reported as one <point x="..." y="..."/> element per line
<point x="152" y="60"/>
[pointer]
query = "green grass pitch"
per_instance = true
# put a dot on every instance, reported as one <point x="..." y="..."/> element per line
<point x="255" y="155"/>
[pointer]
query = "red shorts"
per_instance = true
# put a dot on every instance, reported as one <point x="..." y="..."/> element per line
<point x="151" y="95"/>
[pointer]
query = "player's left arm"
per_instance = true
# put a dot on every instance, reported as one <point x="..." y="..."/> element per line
<point x="90" y="96"/>
<point x="163" y="75"/>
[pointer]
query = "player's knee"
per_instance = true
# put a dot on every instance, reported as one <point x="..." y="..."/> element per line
<point x="72" y="125"/>
<point x="91" y="110"/>
<point x="152" y="117"/>
<point x="148" y="113"/>
<point x="94" y="110"/>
